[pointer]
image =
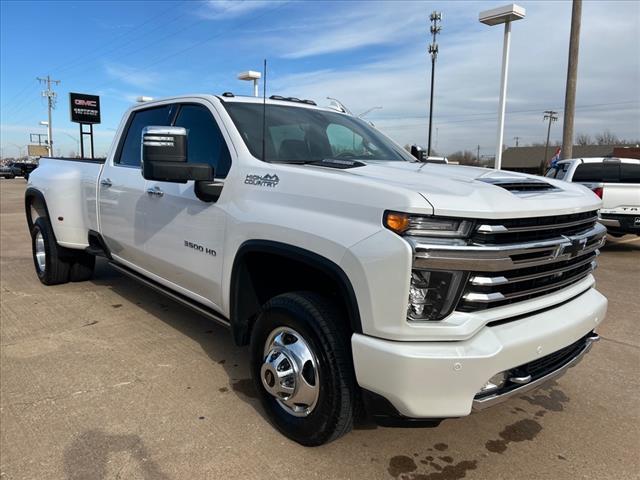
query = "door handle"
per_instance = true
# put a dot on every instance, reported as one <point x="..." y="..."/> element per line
<point x="106" y="182"/>
<point x="156" y="191"/>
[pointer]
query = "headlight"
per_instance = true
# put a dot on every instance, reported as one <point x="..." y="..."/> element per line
<point x="433" y="294"/>
<point x="424" y="226"/>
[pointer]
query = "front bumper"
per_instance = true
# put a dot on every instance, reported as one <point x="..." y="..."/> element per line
<point x="441" y="379"/>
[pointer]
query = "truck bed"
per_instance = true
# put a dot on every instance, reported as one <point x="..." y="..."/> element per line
<point x="70" y="186"/>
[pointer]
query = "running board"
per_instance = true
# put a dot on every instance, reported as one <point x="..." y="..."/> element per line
<point x="187" y="302"/>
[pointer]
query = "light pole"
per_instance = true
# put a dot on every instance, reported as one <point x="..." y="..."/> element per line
<point x="250" y="75"/>
<point x="496" y="16"/>
<point x="45" y="123"/>
<point x="433" y="50"/>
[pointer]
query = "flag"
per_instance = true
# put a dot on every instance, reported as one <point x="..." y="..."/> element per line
<point x="556" y="157"/>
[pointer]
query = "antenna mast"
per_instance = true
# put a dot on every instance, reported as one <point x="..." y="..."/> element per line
<point x="264" y="109"/>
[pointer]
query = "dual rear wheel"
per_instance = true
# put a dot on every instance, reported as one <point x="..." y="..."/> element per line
<point x="55" y="264"/>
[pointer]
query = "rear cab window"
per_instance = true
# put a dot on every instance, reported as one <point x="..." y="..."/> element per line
<point x="630" y="172"/>
<point x="599" y="172"/>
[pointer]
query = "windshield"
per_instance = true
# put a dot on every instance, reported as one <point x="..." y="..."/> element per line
<point x="295" y="134"/>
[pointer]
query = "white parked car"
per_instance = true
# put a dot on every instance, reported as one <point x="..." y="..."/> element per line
<point x="356" y="274"/>
<point x="615" y="180"/>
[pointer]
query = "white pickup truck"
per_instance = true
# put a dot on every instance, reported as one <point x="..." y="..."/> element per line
<point x="361" y="279"/>
<point x="615" y="180"/>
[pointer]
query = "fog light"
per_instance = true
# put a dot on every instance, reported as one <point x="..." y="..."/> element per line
<point x="496" y="382"/>
<point x="433" y="294"/>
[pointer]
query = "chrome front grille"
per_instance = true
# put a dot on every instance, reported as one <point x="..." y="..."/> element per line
<point x="502" y="288"/>
<point x="497" y="232"/>
<point x="552" y="253"/>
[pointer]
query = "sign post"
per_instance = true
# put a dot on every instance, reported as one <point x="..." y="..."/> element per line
<point x="85" y="110"/>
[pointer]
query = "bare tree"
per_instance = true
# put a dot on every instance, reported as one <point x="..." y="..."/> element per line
<point x="583" y="139"/>
<point x="464" y="158"/>
<point x="607" y="138"/>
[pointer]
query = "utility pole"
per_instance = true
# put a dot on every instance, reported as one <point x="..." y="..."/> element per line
<point x="478" y="156"/>
<point x="51" y="104"/>
<point x="572" y="80"/>
<point x="433" y="50"/>
<point x="516" y="139"/>
<point x="552" y="117"/>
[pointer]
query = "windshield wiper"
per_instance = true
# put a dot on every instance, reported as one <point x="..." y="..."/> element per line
<point x="327" y="162"/>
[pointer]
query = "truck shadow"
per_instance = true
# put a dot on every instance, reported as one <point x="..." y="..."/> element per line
<point x="87" y="457"/>
<point x="628" y="243"/>
<point x="215" y="340"/>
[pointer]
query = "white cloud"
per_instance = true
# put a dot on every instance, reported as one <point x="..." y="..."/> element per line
<point x="224" y="9"/>
<point x="468" y="71"/>
<point x="144" y="79"/>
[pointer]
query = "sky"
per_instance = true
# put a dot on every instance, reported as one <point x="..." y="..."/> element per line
<point x="367" y="54"/>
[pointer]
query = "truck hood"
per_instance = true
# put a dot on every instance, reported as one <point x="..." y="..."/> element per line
<point x="459" y="191"/>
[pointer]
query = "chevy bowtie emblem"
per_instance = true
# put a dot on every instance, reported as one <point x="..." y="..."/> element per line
<point x="576" y="247"/>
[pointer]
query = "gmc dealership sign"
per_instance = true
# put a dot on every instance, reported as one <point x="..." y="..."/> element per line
<point x="84" y="108"/>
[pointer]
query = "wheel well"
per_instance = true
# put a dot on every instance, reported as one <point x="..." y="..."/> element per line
<point x="264" y="269"/>
<point x="35" y="206"/>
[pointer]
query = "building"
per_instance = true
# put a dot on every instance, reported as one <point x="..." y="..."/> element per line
<point x="528" y="159"/>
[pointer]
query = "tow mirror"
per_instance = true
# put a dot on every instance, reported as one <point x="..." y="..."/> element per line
<point x="418" y="152"/>
<point x="164" y="156"/>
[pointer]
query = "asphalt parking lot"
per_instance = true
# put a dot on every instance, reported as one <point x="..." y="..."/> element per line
<point x="107" y="379"/>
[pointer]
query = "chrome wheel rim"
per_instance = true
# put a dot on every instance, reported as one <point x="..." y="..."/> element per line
<point x="41" y="254"/>
<point x="289" y="372"/>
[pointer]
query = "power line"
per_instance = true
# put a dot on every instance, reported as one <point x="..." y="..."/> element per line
<point x="23" y="90"/>
<point x="137" y="39"/>
<point x="206" y="40"/>
<point x="552" y="116"/>
<point x="494" y="116"/>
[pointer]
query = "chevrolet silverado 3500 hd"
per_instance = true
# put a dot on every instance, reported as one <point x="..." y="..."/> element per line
<point x="361" y="279"/>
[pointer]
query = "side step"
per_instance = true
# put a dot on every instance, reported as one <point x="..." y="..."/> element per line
<point x="187" y="302"/>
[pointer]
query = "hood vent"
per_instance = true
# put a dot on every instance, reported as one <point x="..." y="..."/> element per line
<point x="520" y="185"/>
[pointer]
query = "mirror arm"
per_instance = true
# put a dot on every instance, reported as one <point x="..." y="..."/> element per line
<point x="208" y="191"/>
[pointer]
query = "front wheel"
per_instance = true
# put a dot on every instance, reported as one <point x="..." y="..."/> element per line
<point x="302" y="368"/>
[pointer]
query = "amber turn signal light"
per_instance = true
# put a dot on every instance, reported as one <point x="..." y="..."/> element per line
<point x="397" y="222"/>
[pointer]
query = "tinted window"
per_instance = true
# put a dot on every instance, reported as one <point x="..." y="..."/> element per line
<point x="205" y="143"/>
<point x="559" y="171"/>
<point x="130" y="153"/>
<point x="597" y="172"/>
<point x="344" y="141"/>
<point x="308" y="134"/>
<point x="630" y="172"/>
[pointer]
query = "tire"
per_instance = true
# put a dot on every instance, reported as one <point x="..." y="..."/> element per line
<point x="52" y="267"/>
<point x="313" y="322"/>
<point x="82" y="267"/>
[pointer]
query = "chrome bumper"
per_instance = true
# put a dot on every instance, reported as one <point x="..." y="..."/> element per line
<point x="489" y="401"/>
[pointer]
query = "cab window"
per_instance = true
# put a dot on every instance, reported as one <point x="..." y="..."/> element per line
<point x="205" y="143"/>
<point x="630" y="172"/>
<point x="597" y="172"/>
<point x="129" y="154"/>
